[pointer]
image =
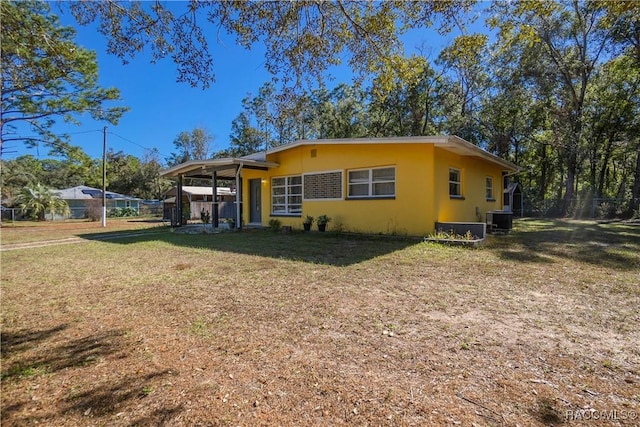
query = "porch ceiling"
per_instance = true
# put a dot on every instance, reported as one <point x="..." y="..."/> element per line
<point x="225" y="168"/>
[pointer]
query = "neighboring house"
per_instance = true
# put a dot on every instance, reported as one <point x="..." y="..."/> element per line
<point x="198" y="198"/>
<point x="83" y="198"/>
<point x="401" y="185"/>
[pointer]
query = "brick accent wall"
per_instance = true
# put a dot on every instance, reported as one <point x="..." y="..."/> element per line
<point x="323" y="185"/>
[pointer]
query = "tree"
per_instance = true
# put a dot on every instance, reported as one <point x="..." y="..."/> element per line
<point x="415" y="105"/>
<point x="245" y="139"/>
<point x="152" y="186"/>
<point x="341" y="112"/>
<point x="612" y="124"/>
<point x="194" y="145"/>
<point x="123" y="173"/>
<point x="75" y="168"/>
<point x="572" y="38"/>
<point x="37" y="201"/>
<point x="302" y="39"/>
<point x="19" y="173"/>
<point x="261" y="108"/>
<point x="624" y="17"/>
<point x="466" y="57"/>
<point x="46" y="76"/>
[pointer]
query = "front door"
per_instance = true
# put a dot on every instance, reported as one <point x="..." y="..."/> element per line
<point x="255" y="201"/>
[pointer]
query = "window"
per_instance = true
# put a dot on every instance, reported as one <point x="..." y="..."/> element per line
<point x="489" y="188"/>
<point x="455" y="186"/>
<point x="376" y="182"/>
<point x="286" y="195"/>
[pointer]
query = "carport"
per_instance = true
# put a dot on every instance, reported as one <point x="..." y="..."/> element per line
<point x="215" y="169"/>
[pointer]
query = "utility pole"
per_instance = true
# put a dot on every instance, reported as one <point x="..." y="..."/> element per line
<point x="104" y="177"/>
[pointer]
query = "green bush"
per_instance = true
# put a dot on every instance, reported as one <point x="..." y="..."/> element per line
<point x="275" y="225"/>
<point x="122" y="212"/>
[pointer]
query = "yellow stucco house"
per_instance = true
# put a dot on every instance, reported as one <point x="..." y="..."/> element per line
<point x="401" y="185"/>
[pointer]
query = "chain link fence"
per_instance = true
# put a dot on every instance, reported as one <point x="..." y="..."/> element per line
<point x="15" y="214"/>
<point x="586" y="208"/>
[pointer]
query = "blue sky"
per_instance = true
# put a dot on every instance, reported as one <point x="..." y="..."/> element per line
<point x="162" y="108"/>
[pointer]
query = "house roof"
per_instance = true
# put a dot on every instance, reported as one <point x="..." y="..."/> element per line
<point x="451" y="143"/>
<point x="82" y="192"/>
<point x="201" y="191"/>
<point x="227" y="167"/>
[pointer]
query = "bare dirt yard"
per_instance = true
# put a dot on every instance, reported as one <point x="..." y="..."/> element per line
<point x="539" y="327"/>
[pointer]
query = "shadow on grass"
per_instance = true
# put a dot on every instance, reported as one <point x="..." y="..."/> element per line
<point x="13" y="342"/>
<point x="102" y="403"/>
<point x="546" y="413"/>
<point x="35" y="353"/>
<point x="159" y="417"/>
<point x="326" y="248"/>
<point x="109" y="398"/>
<point x="75" y="353"/>
<point x="613" y="245"/>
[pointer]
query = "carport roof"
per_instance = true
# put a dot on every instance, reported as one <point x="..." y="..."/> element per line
<point x="225" y="168"/>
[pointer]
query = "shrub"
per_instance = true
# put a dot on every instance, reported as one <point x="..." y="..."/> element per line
<point x="94" y="209"/>
<point x="275" y="225"/>
<point x="205" y="216"/>
<point x="122" y="212"/>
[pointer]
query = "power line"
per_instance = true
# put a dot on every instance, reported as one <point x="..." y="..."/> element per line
<point x="136" y="144"/>
<point x="91" y="131"/>
<point x="79" y="132"/>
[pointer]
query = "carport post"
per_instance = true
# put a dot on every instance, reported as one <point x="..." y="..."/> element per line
<point x="238" y="196"/>
<point x="179" y="201"/>
<point x="214" y="205"/>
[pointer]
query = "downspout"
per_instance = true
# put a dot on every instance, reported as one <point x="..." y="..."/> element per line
<point x="238" y="196"/>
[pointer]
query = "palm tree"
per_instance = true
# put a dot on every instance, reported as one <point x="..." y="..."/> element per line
<point x="39" y="200"/>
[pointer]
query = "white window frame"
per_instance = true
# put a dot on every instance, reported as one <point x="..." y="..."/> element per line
<point x="289" y="209"/>
<point x="370" y="184"/>
<point x="457" y="183"/>
<point x="489" y="188"/>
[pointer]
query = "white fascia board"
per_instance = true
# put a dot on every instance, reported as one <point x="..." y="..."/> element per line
<point x="192" y="165"/>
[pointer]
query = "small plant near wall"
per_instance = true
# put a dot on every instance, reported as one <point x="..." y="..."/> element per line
<point x="454" y="238"/>
<point x="322" y="222"/>
<point x="275" y="225"/>
<point x="440" y="234"/>
<point x="306" y="222"/>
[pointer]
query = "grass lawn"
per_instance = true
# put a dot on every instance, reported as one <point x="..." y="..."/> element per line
<point x="535" y="328"/>
<point x="22" y="232"/>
